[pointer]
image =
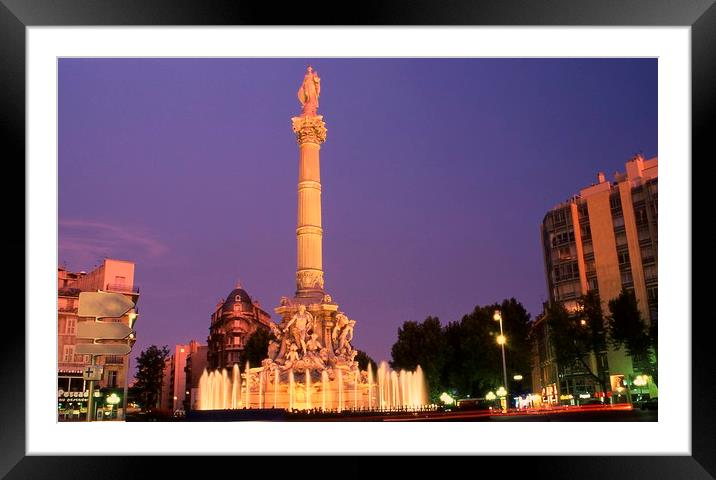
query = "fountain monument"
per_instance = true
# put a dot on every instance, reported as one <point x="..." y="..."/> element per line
<point x="310" y="363"/>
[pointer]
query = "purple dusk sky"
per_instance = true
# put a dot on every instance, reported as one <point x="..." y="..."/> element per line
<point x="436" y="175"/>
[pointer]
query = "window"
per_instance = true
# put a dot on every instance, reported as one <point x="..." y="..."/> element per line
<point x="70" y="326"/>
<point x="562" y="238"/>
<point x="567" y="271"/>
<point x="586" y="231"/>
<point x="621" y="239"/>
<point x="111" y="378"/>
<point x="615" y="202"/>
<point x="565" y="253"/>
<point x="618" y="221"/>
<point x="626" y="277"/>
<point x="643" y="234"/>
<point x="647" y="254"/>
<point x="582" y="210"/>
<point x="650" y="273"/>
<point x="587" y="248"/>
<point x="558" y="216"/>
<point x="589" y="267"/>
<point x="623" y="258"/>
<point x="652" y="294"/>
<point x="68" y="353"/>
<point x="640" y="215"/>
<point x="77" y="384"/>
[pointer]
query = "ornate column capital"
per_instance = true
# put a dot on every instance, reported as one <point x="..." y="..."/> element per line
<point x="309" y="129"/>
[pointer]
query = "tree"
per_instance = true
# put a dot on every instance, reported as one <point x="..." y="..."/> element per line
<point x="578" y="335"/>
<point x="627" y="329"/>
<point x="256" y="348"/>
<point x="364" y="360"/>
<point x="473" y="363"/>
<point x="150" y="369"/>
<point x="463" y="358"/>
<point x="421" y="344"/>
<point x="516" y="326"/>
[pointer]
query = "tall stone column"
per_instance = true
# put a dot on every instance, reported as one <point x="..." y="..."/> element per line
<point x="310" y="133"/>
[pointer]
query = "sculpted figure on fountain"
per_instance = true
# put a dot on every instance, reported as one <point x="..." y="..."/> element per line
<point x="292" y="355"/>
<point x="278" y="348"/>
<point x="302" y="322"/>
<point x="313" y="359"/>
<point x="346" y="335"/>
<point x="341" y="323"/>
<point x="342" y="334"/>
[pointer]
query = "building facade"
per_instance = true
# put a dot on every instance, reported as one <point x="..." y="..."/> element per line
<point x="233" y="321"/>
<point x="602" y="240"/>
<point x="195" y="366"/>
<point x="176" y="385"/>
<point x="115" y="276"/>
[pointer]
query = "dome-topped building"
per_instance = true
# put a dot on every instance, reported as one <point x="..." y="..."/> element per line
<point x="233" y="321"/>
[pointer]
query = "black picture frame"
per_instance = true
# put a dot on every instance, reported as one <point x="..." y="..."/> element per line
<point x="16" y="15"/>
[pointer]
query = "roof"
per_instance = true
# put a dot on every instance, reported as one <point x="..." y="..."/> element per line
<point x="243" y="297"/>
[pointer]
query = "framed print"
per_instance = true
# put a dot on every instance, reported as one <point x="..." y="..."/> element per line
<point x="458" y="148"/>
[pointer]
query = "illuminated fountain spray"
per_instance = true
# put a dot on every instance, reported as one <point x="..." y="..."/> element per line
<point x="275" y="389"/>
<point x="324" y="388"/>
<point x="340" y="390"/>
<point x="235" y="386"/>
<point x="392" y="390"/>
<point x="308" y="389"/>
<point x="248" y="385"/>
<point x="261" y="389"/>
<point x="291" y="390"/>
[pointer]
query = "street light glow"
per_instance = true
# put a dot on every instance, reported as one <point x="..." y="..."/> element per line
<point x="501" y="392"/>
<point x="497" y="316"/>
<point x="517" y="377"/>
<point x="446" y="398"/>
<point x="501" y="340"/>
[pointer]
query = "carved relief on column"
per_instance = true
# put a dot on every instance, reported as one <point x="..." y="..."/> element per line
<point x="309" y="129"/>
<point x="306" y="279"/>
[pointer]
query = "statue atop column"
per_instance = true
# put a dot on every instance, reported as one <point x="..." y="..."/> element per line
<point x="309" y="91"/>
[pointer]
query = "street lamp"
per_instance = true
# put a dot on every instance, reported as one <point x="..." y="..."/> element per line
<point x="501" y="340"/>
<point x="640" y="381"/>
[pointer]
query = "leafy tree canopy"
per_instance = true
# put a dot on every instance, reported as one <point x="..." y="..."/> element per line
<point x="150" y="368"/>
<point x="256" y="348"/>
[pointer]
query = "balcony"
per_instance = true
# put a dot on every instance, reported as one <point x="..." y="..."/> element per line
<point x="122" y="288"/>
<point x="113" y="360"/>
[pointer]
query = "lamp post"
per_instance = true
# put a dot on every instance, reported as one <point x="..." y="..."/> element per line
<point x="501" y="340"/>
